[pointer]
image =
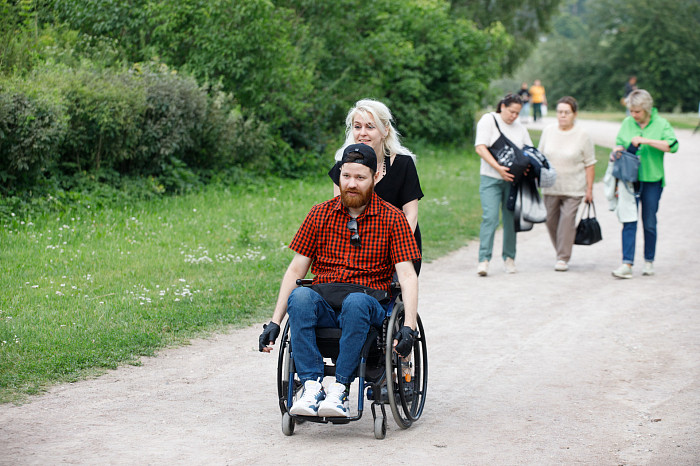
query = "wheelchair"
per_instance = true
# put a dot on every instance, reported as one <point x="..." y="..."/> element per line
<point x="382" y="375"/>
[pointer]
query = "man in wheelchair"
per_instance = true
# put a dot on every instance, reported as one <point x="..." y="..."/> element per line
<point x="352" y="244"/>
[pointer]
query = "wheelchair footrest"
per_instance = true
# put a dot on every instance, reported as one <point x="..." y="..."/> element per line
<point x="384" y="396"/>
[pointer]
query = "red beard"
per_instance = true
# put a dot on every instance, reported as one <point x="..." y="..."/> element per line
<point x="355" y="201"/>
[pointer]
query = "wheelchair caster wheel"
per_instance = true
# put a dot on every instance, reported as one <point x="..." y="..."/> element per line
<point x="379" y="427"/>
<point x="287" y="424"/>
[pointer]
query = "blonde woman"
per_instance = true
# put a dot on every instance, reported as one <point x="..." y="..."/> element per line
<point x="652" y="136"/>
<point x="370" y="122"/>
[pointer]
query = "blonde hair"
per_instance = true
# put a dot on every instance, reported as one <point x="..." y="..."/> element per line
<point x="383" y="118"/>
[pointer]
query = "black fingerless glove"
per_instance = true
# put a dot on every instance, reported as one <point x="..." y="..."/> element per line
<point x="270" y="333"/>
<point x="405" y="338"/>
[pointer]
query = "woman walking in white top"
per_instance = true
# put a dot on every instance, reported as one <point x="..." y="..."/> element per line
<point x="496" y="180"/>
<point x="571" y="152"/>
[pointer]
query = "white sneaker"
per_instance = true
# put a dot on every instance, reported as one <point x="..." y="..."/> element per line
<point x="561" y="266"/>
<point x="509" y="265"/>
<point x="623" y="271"/>
<point x="483" y="268"/>
<point x="336" y="403"/>
<point x="648" y="268"/>
<point x="307" y="404"/>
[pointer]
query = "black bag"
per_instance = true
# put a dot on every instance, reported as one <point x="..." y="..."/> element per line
<point x="335" y="293"/>
<point x="509" y="155"/>
<point x="626" y="166"/>
<point x="588" y="230"/>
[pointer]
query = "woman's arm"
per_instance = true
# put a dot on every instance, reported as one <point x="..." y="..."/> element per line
<point x="484" y="153"/>
<point x="663" y="146"/>
<point x="590" y="178"/>
<point x="410" y="209"/>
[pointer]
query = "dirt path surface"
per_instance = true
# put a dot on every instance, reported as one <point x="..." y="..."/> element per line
<point x="539" y="367"/>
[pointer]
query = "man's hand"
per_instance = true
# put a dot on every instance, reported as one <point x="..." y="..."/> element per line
<point x="403" y="341"/>
<point x="270" y="333"/>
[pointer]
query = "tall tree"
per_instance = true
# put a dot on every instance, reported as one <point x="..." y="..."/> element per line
<point x="430" y="67"/>
<point x="656" y="39"/>
<point x="597" y="44"/>
<point x="524" y="20"/>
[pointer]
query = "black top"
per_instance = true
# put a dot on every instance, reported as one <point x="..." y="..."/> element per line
<point x="398" y="187"/>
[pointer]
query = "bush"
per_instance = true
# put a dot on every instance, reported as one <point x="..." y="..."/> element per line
<point x="173" y="117"/>
<point x="106" y="116"/>
<point x="146" y="121"/>
<point x="31" y="133"/>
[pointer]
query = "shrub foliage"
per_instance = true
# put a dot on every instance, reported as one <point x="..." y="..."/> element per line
<point x="89" y="86"/>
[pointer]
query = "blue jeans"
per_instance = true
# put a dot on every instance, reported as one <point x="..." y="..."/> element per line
<point x="307" y="310"/>
<point x="494" y="195"/>
<point x="649" y="197"/>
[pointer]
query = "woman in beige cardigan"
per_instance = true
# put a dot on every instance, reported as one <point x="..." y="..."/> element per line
<point x="570" y="151"/>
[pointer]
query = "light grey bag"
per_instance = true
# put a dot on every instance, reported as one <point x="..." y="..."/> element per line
<point x="529" y="208"/>
<point x="530" y="204"/>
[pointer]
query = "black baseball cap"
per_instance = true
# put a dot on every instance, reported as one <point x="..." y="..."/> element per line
<point x="368" y="157"/>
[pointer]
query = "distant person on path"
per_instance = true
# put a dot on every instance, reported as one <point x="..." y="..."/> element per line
<point x="630" y="86"/>
<point x="538" y="98"/>
<point x="496" y="180"/>
<point x="370" y="122"/>
<point x="355" y="238"/>
<point x="570" y="150"/>
<point x="525" y="97"/>
<point x="652" y="136"/>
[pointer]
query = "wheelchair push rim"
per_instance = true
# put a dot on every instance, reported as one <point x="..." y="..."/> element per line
<point x="283" y="362"/>
<point x="406" y="397"/>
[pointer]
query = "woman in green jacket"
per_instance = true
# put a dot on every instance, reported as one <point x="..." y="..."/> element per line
<point x="652" y="136"/>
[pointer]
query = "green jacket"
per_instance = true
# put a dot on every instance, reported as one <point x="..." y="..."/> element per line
<point x="651" y="166"/>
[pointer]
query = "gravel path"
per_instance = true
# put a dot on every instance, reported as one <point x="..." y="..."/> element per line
<point x="539" y="367"/>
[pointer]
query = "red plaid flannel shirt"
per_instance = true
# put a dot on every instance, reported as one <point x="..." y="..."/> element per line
<point x="385" y="235"/>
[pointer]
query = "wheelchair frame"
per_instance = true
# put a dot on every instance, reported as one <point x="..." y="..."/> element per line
<point x="406" y="398"/>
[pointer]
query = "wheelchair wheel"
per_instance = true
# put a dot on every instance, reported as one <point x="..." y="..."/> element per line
<point x="287" y="424"/>
<point x="379" y="427"/>
<point x="283" y="361"/>
<point x="406" y="378"/>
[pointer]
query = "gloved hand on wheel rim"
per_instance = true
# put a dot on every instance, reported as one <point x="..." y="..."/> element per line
<point x="403" y="340"/>
<point x="270" y="333"/>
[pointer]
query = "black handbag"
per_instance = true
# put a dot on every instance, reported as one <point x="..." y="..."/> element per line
<point x="509" y="155"/>
<point x="626" y="166"/>
<point x="335" y="293"/>
<point x="588" y="229"/>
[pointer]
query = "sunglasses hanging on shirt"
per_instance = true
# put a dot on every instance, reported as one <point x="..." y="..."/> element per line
<point x="355" y="238"/>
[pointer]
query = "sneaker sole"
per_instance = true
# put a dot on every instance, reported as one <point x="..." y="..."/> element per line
<point x="482" y="273"/>
<point x="617" y="275"/>
<point x="332" y="411"/>
<point x="301" y="411"/>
